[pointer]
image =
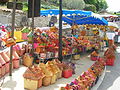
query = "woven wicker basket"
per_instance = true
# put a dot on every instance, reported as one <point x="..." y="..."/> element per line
<point x="30" y="84"/>
<point x="46" y="80"/>
<point x="54" y="79"/>
<point x="27" y="60"/>
<point x="76" y="57"/>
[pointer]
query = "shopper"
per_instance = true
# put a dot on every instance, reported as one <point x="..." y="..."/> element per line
<point x="119" y="36"/>
<point x="110" y="36"/>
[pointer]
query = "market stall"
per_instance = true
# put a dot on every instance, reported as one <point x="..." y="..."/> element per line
<point x="48" y="43"/>
<point x="45" y="41"/>
<point x="74" y="17"/>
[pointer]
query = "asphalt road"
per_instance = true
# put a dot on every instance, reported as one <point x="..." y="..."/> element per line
<point x="112" y="78"/>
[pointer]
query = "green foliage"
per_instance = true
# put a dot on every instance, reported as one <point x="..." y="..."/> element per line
<point x="25" y="6"/>
<point x="100" y="4"/>
<point x="90" y="7"/>
<point x="49" y="6"/>
<point x="117" y="14"/>
<point x="74" y="4"/>
<point x="2" y="2"/>
<point x="90" y="1"/>
<point x="45" y="6"/>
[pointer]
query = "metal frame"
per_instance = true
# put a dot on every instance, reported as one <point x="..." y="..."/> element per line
<point x="12" y="36"/>
<point x="33" y="2"/>
<point x="60" y="30"/>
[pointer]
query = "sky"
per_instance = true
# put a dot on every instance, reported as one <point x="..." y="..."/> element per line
<point x="113" y="5"/>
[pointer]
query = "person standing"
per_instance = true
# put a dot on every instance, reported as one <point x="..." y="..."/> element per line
<point x="110" y="36"/>
<point x="119" y="37"/>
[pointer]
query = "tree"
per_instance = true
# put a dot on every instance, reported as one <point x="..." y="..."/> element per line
<point x="90" y="7"/>
<point x="100" y="4"/>
<point x="74" y="4"/>
<point x="3" y="1"/>
<point x="90" y="1"/>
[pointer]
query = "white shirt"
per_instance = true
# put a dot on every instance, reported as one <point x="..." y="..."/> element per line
<point x="110" y="35"/>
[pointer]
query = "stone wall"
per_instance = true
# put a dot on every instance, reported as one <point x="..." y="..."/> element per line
<point x="21" y="19"/>
<point x="41" y="21"/>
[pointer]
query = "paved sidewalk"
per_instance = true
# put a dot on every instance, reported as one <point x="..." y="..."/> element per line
<point x="16" y="82"/>
<point x="112" y="77"/>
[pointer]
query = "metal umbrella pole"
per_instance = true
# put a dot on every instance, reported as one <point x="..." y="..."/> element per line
<point x="12" y="36"/>
<point x="33" y="7"/>
<point x="72" y="39"/>
<point x="60" y="30"/>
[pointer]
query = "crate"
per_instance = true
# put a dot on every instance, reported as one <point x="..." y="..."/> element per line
<point x="110" y="62"/>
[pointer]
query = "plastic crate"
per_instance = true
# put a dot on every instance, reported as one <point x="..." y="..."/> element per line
<point x="110" y="62"/>
<point x="67" y="73"/>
